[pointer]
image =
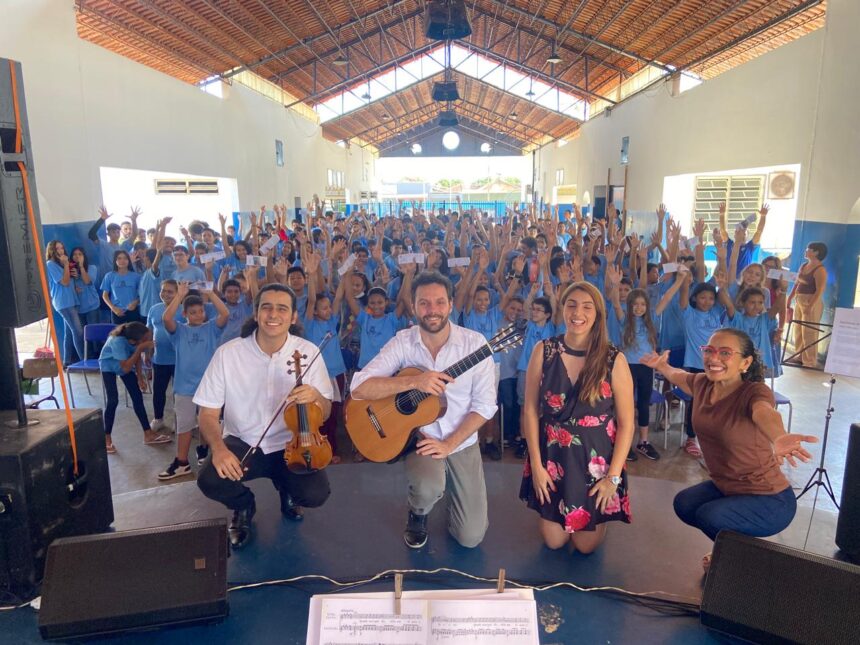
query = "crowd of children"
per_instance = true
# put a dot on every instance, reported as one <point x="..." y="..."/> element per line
<point x="175" y="301"/>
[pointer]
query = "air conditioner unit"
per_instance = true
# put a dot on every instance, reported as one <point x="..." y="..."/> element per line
<point x="446" y="20"/>
<point x="445" y="91"/>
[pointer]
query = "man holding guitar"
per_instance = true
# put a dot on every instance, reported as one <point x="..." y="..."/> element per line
<point x="249" y="377"/>
<point x="447" y="454"/>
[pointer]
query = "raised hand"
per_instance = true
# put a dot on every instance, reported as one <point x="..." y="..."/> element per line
<point x="656" y="361"/>
<point x="661" y="211"/>
<point x="787" y="447"/>
<point x="182" y="290"/>
<point x="222" y="219"/>
<point x="135" y="213"/>
<point x="613" y="275"/>
<point x="699" y="229"/>
<point x="103" y="213"/>
<point x="311" y="261"/>
<point x="764" y="210"/>
<point x="518" y="264"/>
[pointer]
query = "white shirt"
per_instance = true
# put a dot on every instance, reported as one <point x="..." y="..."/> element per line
<point x="250" y="385"/>
<point x="472" y="391"/>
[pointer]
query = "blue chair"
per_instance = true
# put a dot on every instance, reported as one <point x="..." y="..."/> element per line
<point x="781" y="399"/>
<point x="658" y="399"/>
<point x="684" y="399"/>
<point x="96" y="333"/>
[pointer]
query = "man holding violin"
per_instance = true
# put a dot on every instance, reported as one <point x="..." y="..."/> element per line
<point x="249" y="377"/>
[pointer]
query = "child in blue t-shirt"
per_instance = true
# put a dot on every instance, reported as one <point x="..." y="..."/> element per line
<point x="121" y="356"/>
<point x="319" y="323"/>
<point x="238" y="304"/>
<point x="164" y="357"/>
<point x="757" y="322"/>
<point x="120" y="290"/>
<point x="702" y="315"/>
<point x="195" y="342"/>
<point x="639" y="326"/>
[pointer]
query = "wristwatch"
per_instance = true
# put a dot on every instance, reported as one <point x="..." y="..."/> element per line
<point x="615" y="480"/>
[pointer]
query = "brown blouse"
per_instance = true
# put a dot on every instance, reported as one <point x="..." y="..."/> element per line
<point x="737" y="453"/>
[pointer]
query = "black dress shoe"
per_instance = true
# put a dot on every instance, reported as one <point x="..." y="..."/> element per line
<point x="493" y="451"/>
<point x="522" y="449"/>
<point x="290" y="510"/>
<point x="240" y="531"/>
<point x="415" y="534"/>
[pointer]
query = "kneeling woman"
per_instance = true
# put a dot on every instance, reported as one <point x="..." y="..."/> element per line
<point x="743" y="442"/>
<point x="578" y="422"/>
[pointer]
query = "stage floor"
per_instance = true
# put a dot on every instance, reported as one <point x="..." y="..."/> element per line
<point x="358" y="533"/>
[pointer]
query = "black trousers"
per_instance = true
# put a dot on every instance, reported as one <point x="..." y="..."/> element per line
<point x="306" y="490"/>
<point x="161" y="375"/>
<point x="643" y="382"/>
<point x="129" y="379"/>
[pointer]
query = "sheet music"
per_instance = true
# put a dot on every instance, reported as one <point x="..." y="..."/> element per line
<point x="350" y="621"/>
<point x="483" y="622"/>
<point x="432" y="618"/>
<point x="844" y="344"/>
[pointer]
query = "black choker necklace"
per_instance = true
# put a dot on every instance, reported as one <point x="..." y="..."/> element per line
<point x="574" y="352"/>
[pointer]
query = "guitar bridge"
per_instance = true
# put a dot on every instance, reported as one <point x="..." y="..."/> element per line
<point x="375" y="423"/>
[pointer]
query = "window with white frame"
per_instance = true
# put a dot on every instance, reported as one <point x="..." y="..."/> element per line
<point x="559" y="177"/>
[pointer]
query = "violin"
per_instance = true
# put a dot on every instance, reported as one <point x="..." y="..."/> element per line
<point x="308" y="450"/>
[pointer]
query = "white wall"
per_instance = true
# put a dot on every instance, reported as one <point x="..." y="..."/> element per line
<point x="89" y="108"/>
<point x="758" y="114"/>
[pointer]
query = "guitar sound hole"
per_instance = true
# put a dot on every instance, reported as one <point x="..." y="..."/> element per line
<point x="406" y="402"/>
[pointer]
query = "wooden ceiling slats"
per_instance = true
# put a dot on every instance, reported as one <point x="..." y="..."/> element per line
<point x="292" y="43"/>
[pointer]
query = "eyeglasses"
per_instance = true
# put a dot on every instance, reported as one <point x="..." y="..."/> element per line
<point x="723" y="353"/>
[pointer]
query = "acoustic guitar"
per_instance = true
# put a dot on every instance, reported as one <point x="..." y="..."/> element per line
<point x="382" y="429"/>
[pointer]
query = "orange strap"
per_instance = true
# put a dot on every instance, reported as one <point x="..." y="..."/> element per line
<point x="46" y="294"/>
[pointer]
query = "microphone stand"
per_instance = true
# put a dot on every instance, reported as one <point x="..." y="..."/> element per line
<point x="819" y="476"/>
<point x="283" y="406"/>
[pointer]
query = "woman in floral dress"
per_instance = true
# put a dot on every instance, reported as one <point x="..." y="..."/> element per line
<point x="578" y="422"/>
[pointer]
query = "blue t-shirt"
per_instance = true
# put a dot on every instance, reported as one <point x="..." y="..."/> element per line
<point x="486" y="324"/>
<point x="698" y="328"/>
<point x="62" y="296"/>
<point x="88" y="295"/>
<point x="148" y="291"/>
<point x="194" y="349"/>
<point x="613" y="325"/>
<point x="191" y="273"/>
<point x="672" y="334"/>
<point x="641" y="344"/>
<point x="315" y="331"/>
<point x="735" y="290"/>
<point x="375" y="332"/>
<point x="166" y="267"/>
<point x="533" y="335"/>
<point x="597" y="279"/>
<point x="239" y="313"/>
<point x="164" y="352"/>
<point x="115" y="349"/>
<point x="759" y="329"/>
<point x="123" y="288"/>
<point x="106" y="253"/>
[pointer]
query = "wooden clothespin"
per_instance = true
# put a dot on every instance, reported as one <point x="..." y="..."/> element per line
<point x="398" y="592"/>
<point x="500" y="587"/>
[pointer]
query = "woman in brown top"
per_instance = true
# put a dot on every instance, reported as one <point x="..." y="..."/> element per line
<point x="808" y="294"/>
<point x="742" y="439"/>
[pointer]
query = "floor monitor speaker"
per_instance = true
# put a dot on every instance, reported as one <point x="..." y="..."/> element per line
<point x="770" y="593"/>
<point x="132" y="580"/>
<point x="848" y="526"/>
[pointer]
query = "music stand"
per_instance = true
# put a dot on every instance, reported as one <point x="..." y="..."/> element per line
<point x="819" y="476"/>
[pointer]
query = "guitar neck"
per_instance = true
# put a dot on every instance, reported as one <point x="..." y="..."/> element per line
<point x="460" y="367"/>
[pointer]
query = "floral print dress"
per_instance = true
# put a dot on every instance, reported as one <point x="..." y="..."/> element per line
<point x="576" y="441"/>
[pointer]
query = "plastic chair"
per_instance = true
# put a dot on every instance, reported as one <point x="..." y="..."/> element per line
<point x="781" y="399"/>
<point x="96" y="333"/>
<point x="35" y="369"/>
<point x="684" y="400"/>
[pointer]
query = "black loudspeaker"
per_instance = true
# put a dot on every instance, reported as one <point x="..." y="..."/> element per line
<point x="20" y="247"/>
<point x="446" y="91"/>
<point x="848" y="526"/>
<point x="769" y="593"/>
<point x="116" y="582"/>
<point x="446" y="20"/>
<point x="40" y="498"/>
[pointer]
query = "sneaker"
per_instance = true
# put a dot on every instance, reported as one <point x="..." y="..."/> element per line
<point x="648" y="450"/>
<point x="202" y="453"/>
<point x="691" y="447"/>
<point x="631" y="456"/>
<point x="522" y="448"/>
<point x="493" y="451"/>
<point x="415" y="534"/>
<point x="174" y="470"/>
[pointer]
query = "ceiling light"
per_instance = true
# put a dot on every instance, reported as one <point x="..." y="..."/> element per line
<point x="554" y="58"/>
<point x="340" y="61"/>
<point x="486" y="147"/>
<point x="366" y="96"/>
<point x="385" y="116"/>
<point x="450" y="140"/>
<point x="530" y="93"/>
<point x="514" y="116"/>
<point x="416" y="148"/>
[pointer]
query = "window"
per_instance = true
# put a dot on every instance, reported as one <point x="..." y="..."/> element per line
<point x="741" y="193"/>
<point x="279" y="152"/>
<point x="335" y="178"/>
<point x="559" y="177"/>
